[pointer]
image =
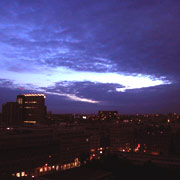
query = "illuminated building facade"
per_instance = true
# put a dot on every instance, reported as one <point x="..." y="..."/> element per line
<point x="35" y="151"/>
<point x="32" y="108"/>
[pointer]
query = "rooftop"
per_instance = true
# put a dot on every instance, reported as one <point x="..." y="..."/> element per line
<point x="81" y="173"/>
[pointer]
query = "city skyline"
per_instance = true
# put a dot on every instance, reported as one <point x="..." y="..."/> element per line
<point x="92" y="55"/>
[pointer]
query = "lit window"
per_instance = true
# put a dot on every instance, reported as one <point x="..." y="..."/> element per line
<point x="72" y="165"/>
<point x="20" y="100"/>
<point x="29" y="107"/>
<point x="64" y="166"/>
<point x="22" y="173"/>
<point x="57" y="167"/>
<point x="30" y="102"/>
<point x="18" y="175"/>
<point x="155" y="153"/>
<point x="68" y="166"/>
<point x="76" y="160"/>
<point x="45" y="169"/>
<point x="30" y="122"/>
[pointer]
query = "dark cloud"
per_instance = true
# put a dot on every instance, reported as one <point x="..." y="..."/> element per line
<point x="135" y="36"/>
<point x="159" y="99"/>
<point x="86" y="89"/>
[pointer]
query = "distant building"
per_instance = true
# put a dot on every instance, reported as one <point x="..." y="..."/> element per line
<point x="107" y="115"/>
<point x="60" y="118"/>
<point x="10" y="114"/>
<point x="32" y="108"/>
<point x="122" y="138"/>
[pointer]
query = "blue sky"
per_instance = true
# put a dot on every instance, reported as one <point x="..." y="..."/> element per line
<point x="87" y="55"/>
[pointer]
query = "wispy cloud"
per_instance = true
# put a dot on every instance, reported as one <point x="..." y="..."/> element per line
<point x="73" y="97"/>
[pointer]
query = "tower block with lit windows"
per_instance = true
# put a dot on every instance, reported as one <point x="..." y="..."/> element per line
<point x="32" y="108"/>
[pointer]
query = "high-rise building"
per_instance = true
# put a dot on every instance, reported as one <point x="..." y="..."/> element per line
<point x="32" y="108"/>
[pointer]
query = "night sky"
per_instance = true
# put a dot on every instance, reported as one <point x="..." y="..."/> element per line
<point x="90" y="55"/>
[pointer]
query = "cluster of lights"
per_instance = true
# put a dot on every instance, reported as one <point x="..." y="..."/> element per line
<point x="20" y="174"/>
<point x="46" y="168"/>
<point x="35" y="95"/>
<point x="58" y="167"/>
<point x="127" y="149"/>
<point x="137" y="148"/>
<point x="96" y="152"/>
<point x="9" y="128"/>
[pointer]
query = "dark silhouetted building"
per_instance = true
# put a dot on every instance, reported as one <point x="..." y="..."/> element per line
<point x="32" y="108"/>
<point x="10" y="114"/>
<point x="60" y="118"/>
<point x="0" y="118"/>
